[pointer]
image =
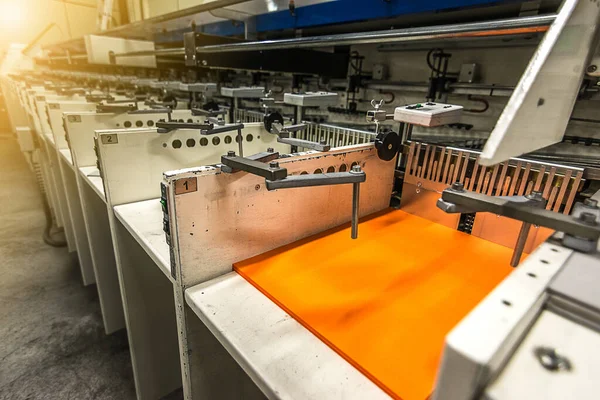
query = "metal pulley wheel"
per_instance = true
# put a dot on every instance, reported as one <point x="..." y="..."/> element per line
<point x="387" y="145"/>
<point x="271" y="118"/>
<point x="210" y="106"/>
<point x="170" y="101"/>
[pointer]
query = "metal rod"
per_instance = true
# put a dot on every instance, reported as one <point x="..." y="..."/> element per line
<point x="455" y="88"/>
<point x="520" y="246"/>
<point x="187" y="12"/>
<point x="356" y="169"/>
<point x="240" y="145"/>
<point x="503" y="27"/>
<point x="178" y="51"/>
<point x="355" y="197"/>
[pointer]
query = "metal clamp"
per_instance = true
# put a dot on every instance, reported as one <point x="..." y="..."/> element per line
<point x="581" y="230"/>
<point x="285" y="133"/>
<point x="277" y="178"/>
<point x="117" y="108"/>
<point x="169" y="126"/>
<point x="207" y="113"/>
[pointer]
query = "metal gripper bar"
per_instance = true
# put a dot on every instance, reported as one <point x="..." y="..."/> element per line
<point x="277" y="177"/>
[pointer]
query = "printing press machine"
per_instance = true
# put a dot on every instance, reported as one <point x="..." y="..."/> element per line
<point x="251" y="253"/>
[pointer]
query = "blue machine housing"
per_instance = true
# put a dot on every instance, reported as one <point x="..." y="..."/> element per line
<point x="345" y="11"/>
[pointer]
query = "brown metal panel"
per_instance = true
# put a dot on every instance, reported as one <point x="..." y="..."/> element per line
<point x="429" y="172"/>
<point x="434" y="171"/>
<point x="473" y="177"/>
<point x="480" y="182"/>
<point x="563" y="190"/>
<point x="416" y="159"/>
<point x="438" y="171"/>
<point x="501" y="181"/>
<point x="492" y="181"/>
<point x="411" y="152"/>
<point x="574" y="188"/>
<point x="459" y="161"/>
<point x="506" y="186"/>
<point x="553" y="194"/>
<point x="425" y="161"/>
<point x="515" y="179"/>
<point x="529" y="188"/>
<point x="540" y="178"/>
<point x="447" y="166"/>
<point x="450" y="174"/>
<point x="548" y="185"/>
<point x="524" y="179"/>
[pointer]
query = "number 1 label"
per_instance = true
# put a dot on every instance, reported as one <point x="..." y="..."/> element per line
<point x="186" y="185"/>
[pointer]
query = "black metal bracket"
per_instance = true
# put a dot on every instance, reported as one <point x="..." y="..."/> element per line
<point x="169" y="126"/>
<point x="319" y="146"/>
<point x="310" y="180"/>
<point x="581" y="229"/>
<point x="116" y="108"/>
<point x="277" y="178"/>
<point x="207" y="113"/>
<point x="285" y="133"/>
<point x="264" y="157"/>
<point x="221" y="129"/>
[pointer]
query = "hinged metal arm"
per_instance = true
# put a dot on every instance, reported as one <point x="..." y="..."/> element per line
<point x="581" y="229"/>
<point x="284" y="134"/>
<point x="168" y="126"/>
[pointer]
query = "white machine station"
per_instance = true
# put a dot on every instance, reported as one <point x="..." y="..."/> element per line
<point x="257" y="239"/>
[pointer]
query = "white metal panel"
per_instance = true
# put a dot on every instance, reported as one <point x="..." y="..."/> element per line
<point x="232" y="217"/>
<point x="55" y="110"/>
<point x="91" y="176"/>
<point x="95" y="215"/>
<point x="68" y="158"/>
<point x="282" y="357"/>
<point x="144" y="221"/>
<point x="80" y="235"/>
<point x="99" y="48"/>
<point x="81" y="127"/>
<point x="538" y="112"/>
<point x="525" y="378"/>
<point x="134" y="160"/>
<point x="476" y="348"/>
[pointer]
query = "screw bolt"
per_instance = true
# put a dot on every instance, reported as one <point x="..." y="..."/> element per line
<point x="592" y="68"/>
<point x="550" y="360"/>
<point x="591" y="203"/>
<point x="273" y="164"/>
<point x="231" y="153"/>
<point x="535" y="195"/>
<point x="356" y="168"/>
<point x="457" y="186"/>
<point x="270" y="150"/>
<point x="587" y="218"/>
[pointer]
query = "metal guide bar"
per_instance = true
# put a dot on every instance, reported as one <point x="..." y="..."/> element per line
<point x="242" y="115"/>
<point x="333" y="135"/>
<point x="515" y="177"/>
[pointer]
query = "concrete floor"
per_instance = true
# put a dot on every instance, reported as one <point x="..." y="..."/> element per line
<point x="52" y="343"/>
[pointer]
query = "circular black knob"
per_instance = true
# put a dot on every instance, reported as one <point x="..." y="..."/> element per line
<point x="387" y="145"/>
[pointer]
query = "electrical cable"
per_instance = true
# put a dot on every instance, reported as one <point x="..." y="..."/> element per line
<point x="486" y="105"/>
<point x="388" y="94"/>
<point x="433" y="67"/>
<point x="47" y="235"/>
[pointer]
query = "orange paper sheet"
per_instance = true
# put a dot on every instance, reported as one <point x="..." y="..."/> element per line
<point x="385" y="301"/>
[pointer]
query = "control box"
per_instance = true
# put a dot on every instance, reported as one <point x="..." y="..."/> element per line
<point x="157" y="85"/>
<point x="250" y="92"/>
<point x="206" y="88"/>
<point x="311" y="99"/>
<point x="428" y="114"/>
